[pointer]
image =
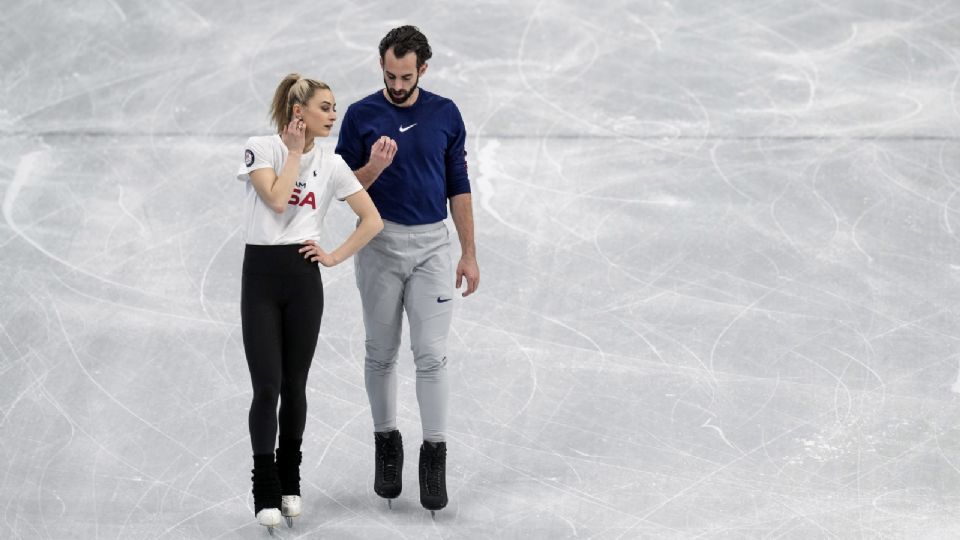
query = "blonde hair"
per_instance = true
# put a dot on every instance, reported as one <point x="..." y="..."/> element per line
<point x="293" y="90"/>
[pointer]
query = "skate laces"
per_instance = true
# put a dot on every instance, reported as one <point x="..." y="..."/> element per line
<point x="434" y="464"/>
<point x="387" y="454"/>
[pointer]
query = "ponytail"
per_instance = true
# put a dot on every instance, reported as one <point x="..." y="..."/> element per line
<point x="293" y="90"/>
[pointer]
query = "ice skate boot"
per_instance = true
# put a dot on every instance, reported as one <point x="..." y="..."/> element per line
<point x="388" y="476"/>
<point x="266" y="491"/>
<point x="289" y="458"/>
<point x="433" y="476"/>
<point x="290" y="508"/>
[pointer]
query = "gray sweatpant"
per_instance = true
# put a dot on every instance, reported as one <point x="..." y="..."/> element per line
<point x="407" y="268"/>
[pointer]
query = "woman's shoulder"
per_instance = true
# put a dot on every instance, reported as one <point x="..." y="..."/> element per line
<point x="329" y="159"/>
<point x="264" y="141"/>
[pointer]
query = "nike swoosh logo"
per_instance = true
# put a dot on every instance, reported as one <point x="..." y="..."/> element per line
<point x="442" y="300"/>
<point x="402" y="129"/>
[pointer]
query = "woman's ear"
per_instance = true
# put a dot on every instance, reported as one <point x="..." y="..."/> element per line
<point x="298" y="111"/>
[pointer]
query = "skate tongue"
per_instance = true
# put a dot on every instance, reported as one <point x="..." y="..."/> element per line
<point x="435" y="447"/>
<point x="386" y="435"/>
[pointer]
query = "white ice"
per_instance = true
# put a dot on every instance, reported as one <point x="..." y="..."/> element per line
<point x="718" y="244"/>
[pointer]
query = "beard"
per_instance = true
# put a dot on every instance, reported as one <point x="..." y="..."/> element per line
<point x="403" y="96"/>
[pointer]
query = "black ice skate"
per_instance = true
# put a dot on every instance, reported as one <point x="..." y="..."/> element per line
<point x="388" y="477"/>
<point x="433" y="476"/>
<point x="266" y="491"/>
<point x="289" y="458"/>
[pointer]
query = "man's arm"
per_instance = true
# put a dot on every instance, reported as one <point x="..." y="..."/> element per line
<point x="349" y="147"/>
<point x="381" y="156"/>
<point x="461" y="207"/>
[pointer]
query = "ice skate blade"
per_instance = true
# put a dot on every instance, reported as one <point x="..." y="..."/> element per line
<point x="289" y="522"/>
<point x="270" y="530"/>
<point x="269" y="518"/>
<point x="433" y="515"/>
<point x="390" y="504"/>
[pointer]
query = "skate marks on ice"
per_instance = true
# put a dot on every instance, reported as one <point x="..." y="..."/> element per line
<point x="793" y="347"/>
<point x="718" y="255"/>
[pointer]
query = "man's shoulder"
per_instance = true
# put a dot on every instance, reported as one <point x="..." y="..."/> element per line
<point x="435" y="99"/>
<point x="438" y="102"/>
<point x="369" y="102"/>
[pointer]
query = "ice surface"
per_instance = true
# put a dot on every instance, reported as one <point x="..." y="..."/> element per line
<point x="718" y="244"/>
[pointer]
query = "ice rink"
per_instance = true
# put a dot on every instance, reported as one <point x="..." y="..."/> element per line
<point x="719" y="246"/>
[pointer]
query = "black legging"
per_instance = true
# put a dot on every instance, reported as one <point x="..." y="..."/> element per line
<point x="281" y="303"/>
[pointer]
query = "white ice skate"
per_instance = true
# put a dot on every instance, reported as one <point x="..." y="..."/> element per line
<point x="291" y="507"/>
<point x="269" y="518"/>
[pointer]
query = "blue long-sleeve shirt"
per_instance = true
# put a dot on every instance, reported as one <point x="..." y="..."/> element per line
<point x="430" y="165"/>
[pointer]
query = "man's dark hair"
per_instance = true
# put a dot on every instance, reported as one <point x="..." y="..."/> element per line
<point x="404" y="39"/>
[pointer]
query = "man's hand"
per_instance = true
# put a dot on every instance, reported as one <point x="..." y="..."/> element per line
<point x="467" y="268"/>
<point x="382" y="152"/>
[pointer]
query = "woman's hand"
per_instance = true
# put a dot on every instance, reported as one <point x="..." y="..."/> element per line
<point x="313" y="252"/>
<point x="382" y="152"/>
<point x="294" y="135"/>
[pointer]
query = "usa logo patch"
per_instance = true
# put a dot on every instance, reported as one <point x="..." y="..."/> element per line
<point x="248" y="157"/>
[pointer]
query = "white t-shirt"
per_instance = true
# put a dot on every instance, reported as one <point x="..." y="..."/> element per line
<point x="323" y="176"/>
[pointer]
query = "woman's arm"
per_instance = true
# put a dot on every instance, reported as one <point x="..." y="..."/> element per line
<point x="370" y="225"/>
<point x="276" y="190"/>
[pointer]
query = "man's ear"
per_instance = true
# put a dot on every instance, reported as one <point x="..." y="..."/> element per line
<point x="423" y="69"/>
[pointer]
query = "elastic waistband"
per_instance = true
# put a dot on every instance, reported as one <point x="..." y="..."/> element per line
<point x="282" y="259"/>
<point x="389" y="226"/>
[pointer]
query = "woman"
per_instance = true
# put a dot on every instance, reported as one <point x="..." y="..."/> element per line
<point x="290" y="183"/>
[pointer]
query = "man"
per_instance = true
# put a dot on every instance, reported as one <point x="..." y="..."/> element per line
<point x="407" y="266"/>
